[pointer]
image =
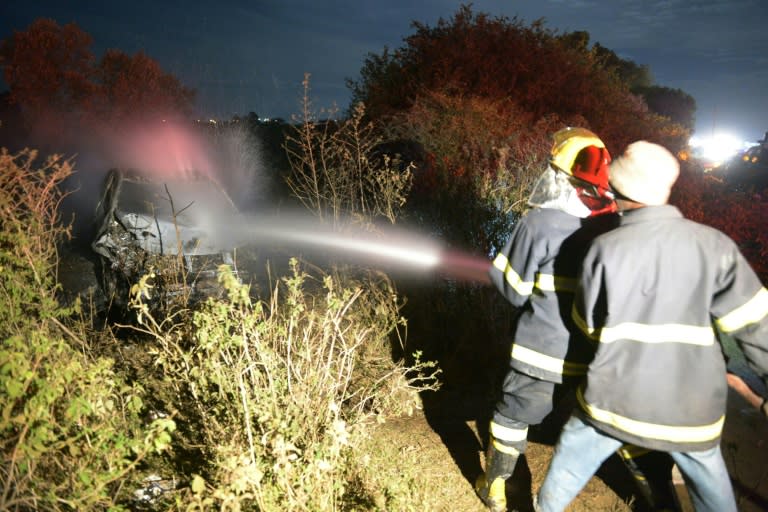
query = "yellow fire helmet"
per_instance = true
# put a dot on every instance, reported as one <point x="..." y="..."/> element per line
<point x="580" y="153"/>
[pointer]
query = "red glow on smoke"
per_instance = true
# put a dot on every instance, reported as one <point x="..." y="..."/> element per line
<point x="165" y="150"/>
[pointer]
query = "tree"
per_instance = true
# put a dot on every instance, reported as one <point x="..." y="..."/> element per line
<point x="48" y="68"/>
<point x="136" y="85"/>
<point x="677" y="105"/>
<point x="545" y="73"/>
<point x="630" y="73"/>
<point x="54" y="78"/>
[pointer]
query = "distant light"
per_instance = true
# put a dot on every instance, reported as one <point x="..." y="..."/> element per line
<point x="716" y="149"/>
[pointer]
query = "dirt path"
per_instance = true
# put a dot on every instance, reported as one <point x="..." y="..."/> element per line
<point x="445" y="444"/>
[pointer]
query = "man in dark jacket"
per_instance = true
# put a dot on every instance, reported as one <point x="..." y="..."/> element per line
<point x="647" y="297"/>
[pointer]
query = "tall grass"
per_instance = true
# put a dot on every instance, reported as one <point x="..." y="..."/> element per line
<point x="338" y="171"/>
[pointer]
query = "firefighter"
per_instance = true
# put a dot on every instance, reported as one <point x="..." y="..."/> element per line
<point x="536" y="272"/>
<point x="651" y="295"/>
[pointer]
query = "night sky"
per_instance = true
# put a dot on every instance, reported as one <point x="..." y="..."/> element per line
<point x="244" y="56"/>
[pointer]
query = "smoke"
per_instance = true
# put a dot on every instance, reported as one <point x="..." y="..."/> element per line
<point x="167" y="150"/>
<point x="164" y="150"/>
<point x="231" y="156"/>
<point x="240" y="166"/>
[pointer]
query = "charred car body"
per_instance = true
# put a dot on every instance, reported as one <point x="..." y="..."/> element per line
<point x="165" y="231"/>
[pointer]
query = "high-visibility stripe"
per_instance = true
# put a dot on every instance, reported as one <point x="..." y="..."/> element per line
<point x="630" y="451"/>
<point x="593" y="334"/>
<point x="544" y="282"/>
<point x="505" y="449"/>
<point x="753" y="311"/>
<point x="670" y="433"/>
<point x="552" y="283"/>
<point x="662" y="333"/>
<point x="507" y="434"/>
<point x="512" y="277"/>
<point x="644" y="333"/>
<point x="545" y="362"/>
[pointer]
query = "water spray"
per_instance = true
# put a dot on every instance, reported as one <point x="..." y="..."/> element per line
<point x="389" y="247"/>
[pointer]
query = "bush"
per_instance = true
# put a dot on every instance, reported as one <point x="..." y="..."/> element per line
<point x="337" y="172"/>
<point x="280" y="390"/>
<point x="273" y="395"/>
<point x="71" y="429"/>
<point x="738" y="214"/>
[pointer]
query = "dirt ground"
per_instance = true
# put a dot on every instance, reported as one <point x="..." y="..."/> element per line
<point x="444" y="440"/>
<point x="446" y="443"/>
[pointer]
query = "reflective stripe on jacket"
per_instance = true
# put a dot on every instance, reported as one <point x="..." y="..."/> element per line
<point x="647" y="297"/>
<point x="536" y="271"/>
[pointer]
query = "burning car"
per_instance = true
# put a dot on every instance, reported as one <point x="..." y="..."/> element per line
<point x="163" y="230"/>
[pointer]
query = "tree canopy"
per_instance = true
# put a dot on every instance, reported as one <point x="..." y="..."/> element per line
<point x="54" y="76"/>
<point x="481" y="97"/>
<point x="545" y="73"/>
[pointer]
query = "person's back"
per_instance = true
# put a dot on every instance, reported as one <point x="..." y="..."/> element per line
<point x="659" y="297"/>
<point x="552" y="244"/>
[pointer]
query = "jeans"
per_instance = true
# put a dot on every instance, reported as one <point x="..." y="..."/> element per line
<point x="581" y="450"/>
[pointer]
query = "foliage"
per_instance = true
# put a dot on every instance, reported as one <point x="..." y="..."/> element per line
<point x="273" y="394"/>
<point x="544" y="73"/>
<point x="477" y="153"/>
<point x="633" y="74"/>
<point x="130" y="85"/>
<point x="56" y="79"/>
<point x="675" y="104"/>
<point x="280" y="389"/>
<point x="48" y="66"/>
<point x="30" y="198"/>
<point x="71" y="430"/>
<point x="480" y="97"/>
<point x="336" y="172"/>
<point x="740" y="215"/>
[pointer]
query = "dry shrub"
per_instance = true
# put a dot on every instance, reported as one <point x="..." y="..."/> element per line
<point x="71" y="432"/>
<point x="337" y="172"/>
<point x="282" y="390"/>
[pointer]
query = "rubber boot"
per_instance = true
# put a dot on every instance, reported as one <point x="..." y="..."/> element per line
<point x="490" y="487"/>
<point x="652" y="473"/>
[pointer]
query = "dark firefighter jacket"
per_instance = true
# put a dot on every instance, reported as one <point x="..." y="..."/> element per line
<point x="649" y="293"/>
<point x="536" y="271"/>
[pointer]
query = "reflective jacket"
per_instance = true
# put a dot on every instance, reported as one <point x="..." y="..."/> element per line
<point x="536" y="271"/>
<point x="647" y="298"/>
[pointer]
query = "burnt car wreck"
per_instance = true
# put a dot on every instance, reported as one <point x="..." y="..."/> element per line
<point x="162" y="232"/>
